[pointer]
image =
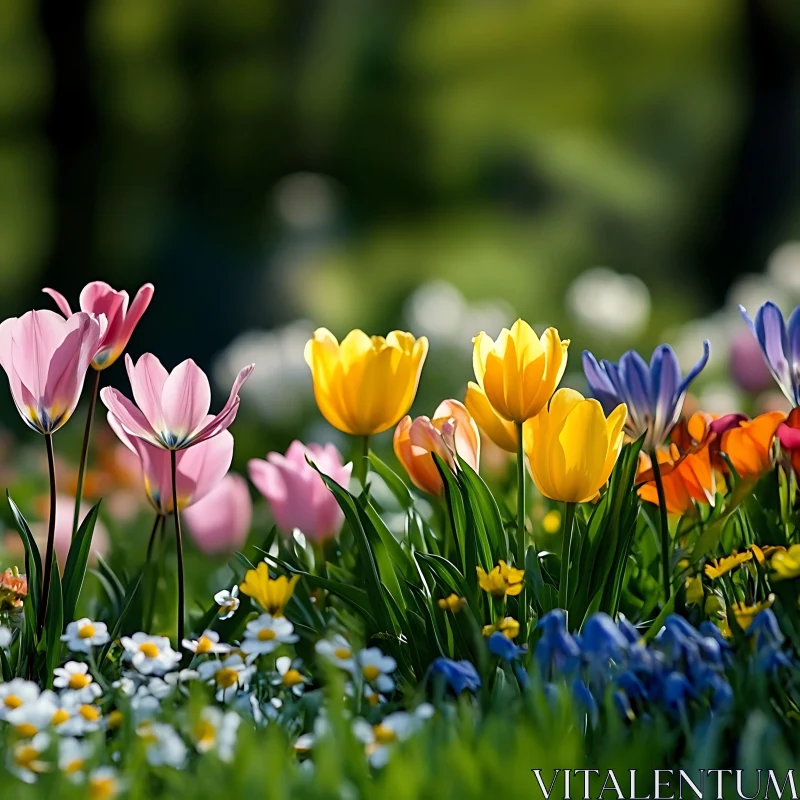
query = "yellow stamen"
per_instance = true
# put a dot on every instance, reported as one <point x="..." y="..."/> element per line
<point x="383" y="735"/>
<point x="79" y="681"/>
<point x="12" y="701"/>
<point x="149" y="649"/>
<point x="226" y="677"/>
<point x="89" y="713"/>
<point x="27" y="729"/>
<point x="86" y="631"/>
<point x="292" y="677"/>
<point x="370" y="672"/>
<point x="204" y="645"/>
<point x="342" y="653"/>
<point x="102" y="788"/>
<point x="266" y="635"/>
<point x="58" y="717"/>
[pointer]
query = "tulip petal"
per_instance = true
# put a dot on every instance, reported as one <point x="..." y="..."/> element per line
<point x="61" y="301"/>
<point x="136" y="311"/>
<point x="225" y="418"/>
<point x="499" y="430"/>
<point x="185" y="400"/>
<point x="128" y="415"/>
<point x="147" y="384"/>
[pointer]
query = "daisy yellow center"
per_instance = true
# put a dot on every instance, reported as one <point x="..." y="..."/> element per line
<point x="226" y="677"/>
<point x="204" y="645"/>
<point x="292" y="677"/>
<point x="102" y="788"/>
<point x="115" y="719"/>
<point x="86" y="631"/>
<point x="204" y="733"/>
<point x="74" y="766"/>
<point x="370" y="672"/>
<point x="266" y="635"/>
<point x="384" y="735"/>
<point x="12" y="701"/>
<point x="342" y="653"/>
<point x="25" y="756"/>
<point x="59" y="717"/>
<point x="79" y="681"/>
<point x="149" y="649"/>
<point x="374" y="699"/>
<point x="89" y="713"/>
<point x="27" y="729"/>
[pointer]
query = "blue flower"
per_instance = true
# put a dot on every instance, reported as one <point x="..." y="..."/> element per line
<point x="768" y="639"/>
<point x="585" y="701"/>
<point x="459" y="675"/>
<point x="600" y="637"/>
<point x="503" y="647"/>
<point x="557" y="651"/>
<point x="780" y="343"/>
<point x="654" y="394"/>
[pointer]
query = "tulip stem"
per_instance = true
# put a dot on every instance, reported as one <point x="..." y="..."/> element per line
<point x="87" y="434"/>
<point x="662" y="509"/>
<point x="566" y="554"/>
<point x="151" y="599"/>
<point x="362" y="463"/>
<point x="179" y="545"/>
<point x="51" y="534"/>
<point x="523" y="600"/>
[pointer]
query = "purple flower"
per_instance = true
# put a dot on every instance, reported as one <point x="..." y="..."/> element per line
<point x="780" y="344"/>
<point x="654" y="394"/>
<point x="504" y="648"/>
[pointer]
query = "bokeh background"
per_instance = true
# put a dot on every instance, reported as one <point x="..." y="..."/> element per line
<point x="624" y="170"/>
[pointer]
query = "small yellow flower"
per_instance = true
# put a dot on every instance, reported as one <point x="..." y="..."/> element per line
<point x="694" y="591"/>
<point x="718" y="568"/>
<point x="786" y="564"/>
<point x="272" y="594"/>
<point x="551" y="522"/>
<point x="746" y="614"/>
<point x="502" y="580"/>
<point x="452" y="603"/>
<point x="508" y="626"/>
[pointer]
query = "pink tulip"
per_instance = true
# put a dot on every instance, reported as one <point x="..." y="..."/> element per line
<point x="98" y="298"/>
<point x="220" y="522"/>
<point x="171" y="409"/>
<point x="62" y="539"/>
<point x="297" y="494"/>
<point x="198" y="469"/>
<point x="46" y="357"/>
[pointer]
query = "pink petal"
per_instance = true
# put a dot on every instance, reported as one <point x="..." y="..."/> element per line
<point x="225" y="417"/>
<point x="147" y="383"/>
<point x="137" y="309"/>
<point x="128" y="415"/>
<point x="61" y="301"/>
<point x="221" y="521"/>
<point x="35" y="337"/>
<point x="185" y="400"/>
<point x="789" y="437"/>
<point x="203" y="466"/>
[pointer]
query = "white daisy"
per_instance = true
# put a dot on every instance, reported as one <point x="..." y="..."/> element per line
<point x="151" y="655"/>
<point x="228" y="676"/>
<point x="207" y="644"/>
<point x="228" y="602"/>
<point x="289" y="675"/>
<point x="104" y="782"/>
<point x="374" y="667"/>
<point x="76" y="718"/>
<point x="397" y="727"/>
<point x="181" y="676"/>
<point x="126" y="685"/>
<point x="72" y="757"/>
<point x="74" y="677"/>
<point x="36" y="715"/>
<point x="16" y="693"/>
<point x="337" y="651"/>
<point x="5" y="636"/>
<point x="265" y="634"/>
<point x="25" y="758"/>
<point x="84" y="634"/>
<point x="216" y="730"/>
<point x="165" y="747"/>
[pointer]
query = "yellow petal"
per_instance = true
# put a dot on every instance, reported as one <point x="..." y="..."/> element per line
<point x="500" y="431"/>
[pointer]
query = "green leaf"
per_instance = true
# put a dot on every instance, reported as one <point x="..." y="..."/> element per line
<point x="458" y="517"/>
<point x="53" y="625"/>
<point x="75" y="568"/>
<point x="33" y="559"/>
<point x="487" y="513"/>
<point x="395" y="483"/>
<point x="127" y="602"/>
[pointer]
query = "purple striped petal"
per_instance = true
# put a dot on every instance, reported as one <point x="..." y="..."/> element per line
<point x="770" y="331"/>
<point x="696" y="369"/>
<point x="600" y="384"/>
<point x="665" y="377"/>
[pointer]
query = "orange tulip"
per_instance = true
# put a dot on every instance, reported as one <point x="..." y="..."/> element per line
<point x="450" y="432"/>
<point x="749" y="444"/>
<point x="687" y="470"/>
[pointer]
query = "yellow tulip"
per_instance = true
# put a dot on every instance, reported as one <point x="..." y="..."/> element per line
<point x="366" y="384"/>
<point x="786" y="563"/>
<point x="572" y="447"/>
<point x="499" y="430"/>
<point x="519" y="372"/>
